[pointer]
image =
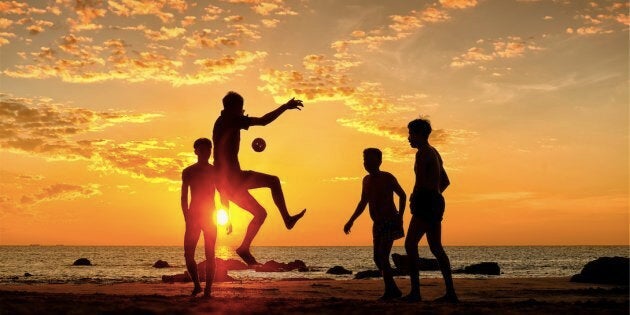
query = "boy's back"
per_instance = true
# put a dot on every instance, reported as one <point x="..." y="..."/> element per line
<point x="201" y="180"/>
<point x="378" y="189"/>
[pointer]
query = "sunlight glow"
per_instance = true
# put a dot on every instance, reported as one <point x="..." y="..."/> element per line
<point x="222" y="217"/>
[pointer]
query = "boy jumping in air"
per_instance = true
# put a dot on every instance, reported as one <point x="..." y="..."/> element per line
<point x="378" y="190"/>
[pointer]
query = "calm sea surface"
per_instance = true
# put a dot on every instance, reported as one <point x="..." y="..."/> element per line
<point x="53" y="264"/>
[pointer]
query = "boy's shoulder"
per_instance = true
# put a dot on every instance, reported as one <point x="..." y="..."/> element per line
<point x="198" y="168"/>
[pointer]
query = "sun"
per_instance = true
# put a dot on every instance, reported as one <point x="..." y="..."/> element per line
<point x="222" y="217"/>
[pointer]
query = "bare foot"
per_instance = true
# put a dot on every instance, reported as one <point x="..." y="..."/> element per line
<point x="196" y="290"/>
<point x="390" y="295"/>
<point x="448" y="298"/>
<point x="247" y="257"/>
<point x="412" y="298"/>
<point x="207" y="293"/>
<point x="291" y="221"/>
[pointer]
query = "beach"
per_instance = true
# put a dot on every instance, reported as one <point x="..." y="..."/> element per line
<point x="316" y="296"/>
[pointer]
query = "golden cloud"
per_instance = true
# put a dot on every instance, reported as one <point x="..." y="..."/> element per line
<point x="511" y="47"/>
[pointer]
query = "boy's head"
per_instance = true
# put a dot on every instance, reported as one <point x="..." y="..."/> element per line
<point x="233" y="103"/>
<point x="203" y="148"/>
<point x="372" y="159"/>
<point x="419" y="131"/>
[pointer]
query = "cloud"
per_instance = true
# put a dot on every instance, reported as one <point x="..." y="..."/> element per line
<point x="338" y="179"/>
<point x="511" y="47"/>
<point x="61" y="192"/>
<point x="55" y="132"/>
<point x="458" y="4"/>
<point x="266" y="7"/>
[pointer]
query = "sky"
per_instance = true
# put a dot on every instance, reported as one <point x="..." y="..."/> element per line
<point x="102" y="100"/>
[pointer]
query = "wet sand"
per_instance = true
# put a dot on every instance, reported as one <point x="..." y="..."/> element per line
<point x="291" y="296"/>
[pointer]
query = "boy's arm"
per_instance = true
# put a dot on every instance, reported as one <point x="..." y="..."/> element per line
<point x="402" y="197"/>
<point x="444" y="181"/>
<point x="184" y="194"/>
<point x="357" y="212"/>
<point x="271" y="116"/>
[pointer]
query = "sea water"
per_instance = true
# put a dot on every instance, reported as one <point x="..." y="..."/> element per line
<point x="111" y="264"/>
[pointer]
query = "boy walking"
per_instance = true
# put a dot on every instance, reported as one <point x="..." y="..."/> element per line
<point x="200" y="178"/>
<point x="378" y="190"/>
<point x="427" y="207"/>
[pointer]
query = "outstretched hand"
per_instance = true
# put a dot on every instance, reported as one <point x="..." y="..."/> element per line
<point x="294" y="104"/>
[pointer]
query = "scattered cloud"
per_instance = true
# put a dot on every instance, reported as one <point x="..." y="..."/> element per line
<point x="56" y="132"/>
<point x="338" y="179"/>
<point x="511" y="47"/>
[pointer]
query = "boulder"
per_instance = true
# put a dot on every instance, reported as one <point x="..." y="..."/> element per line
<point x="231" y="264"/>
<point x="220" y="274"/>
<point x="605" y="270"/>
<point x="274" y="266"/>
<point x="424" y="264"/>
<point x="338" y="270"/>
<point x="26" y="274"/>
<point x="161" y="264"/>
<point x="82" y="262"/>
<point x="365" y="274"/>
<point x="484" y="268"/>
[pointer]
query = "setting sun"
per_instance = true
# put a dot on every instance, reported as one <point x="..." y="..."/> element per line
<point x="222" y="217"/>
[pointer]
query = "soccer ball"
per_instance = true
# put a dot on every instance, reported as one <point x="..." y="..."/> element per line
<point x="259" y="145"/>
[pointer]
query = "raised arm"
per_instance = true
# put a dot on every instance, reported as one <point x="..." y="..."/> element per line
<point x="357" y="212"/>
<point x="271" y="116"/>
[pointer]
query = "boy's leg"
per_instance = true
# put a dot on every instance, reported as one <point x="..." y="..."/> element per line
<point x="382" y="249"/>
<point x="414" y="234"/>
<point x="210" y="238"/>
<point x="255" y="180"/>
<point x="434" y="238"/>
<point x="246" y="201"/>
<point x="191" y="237"/>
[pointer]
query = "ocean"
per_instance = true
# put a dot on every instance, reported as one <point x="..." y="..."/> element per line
<point x="114" y="264"/>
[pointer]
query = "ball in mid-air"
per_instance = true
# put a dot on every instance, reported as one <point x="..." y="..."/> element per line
<point x="259" y="144"/>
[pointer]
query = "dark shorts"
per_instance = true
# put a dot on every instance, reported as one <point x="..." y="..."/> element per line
<point x="235" y="181"/>
<point x="427" y="205"/>
<point x="388" y="230"/>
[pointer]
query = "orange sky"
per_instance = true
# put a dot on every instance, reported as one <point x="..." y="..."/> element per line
<point x="101" y="101"/>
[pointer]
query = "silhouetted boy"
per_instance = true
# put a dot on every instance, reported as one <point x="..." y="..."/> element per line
<point x="200" y="177"/>
<point x="378" y="191"/>
<point x="427" y="207"/>
<point x="234" y="183"/>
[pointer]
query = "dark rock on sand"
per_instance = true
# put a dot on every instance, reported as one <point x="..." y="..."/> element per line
<point x="82" y="262"/>
<point x="161" y="264"/>
<point x="26" y="274"/>
<point x="338" y="270"/>
<point x="365" y="274"/>
<point x="231" y="264"/>
<point x="484" y="268"/>
<point x="220" y="273"/>
<point x="424" y="264"/>
<point x="274" y="266"/>
<point x="605" y="270"/>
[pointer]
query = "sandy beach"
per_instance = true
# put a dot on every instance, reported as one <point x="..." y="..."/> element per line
<point x="478" y="296"/>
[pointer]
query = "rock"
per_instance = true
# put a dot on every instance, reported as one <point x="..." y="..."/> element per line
<point x="274" y="266"/>
<point x="424" y="264"/>
<point x="231" y="264"/>
<point x="26" y="274"/>
<point x="365" y="274"/>
<point x="604" y="270"/>
<point x="338" y="270"/>
<point x="176" y="278"/>
<point x="161" y="264"/>
<point x="220" y="274"/>
<point x="484" y="268"/>
<point x="82" y="262"/>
